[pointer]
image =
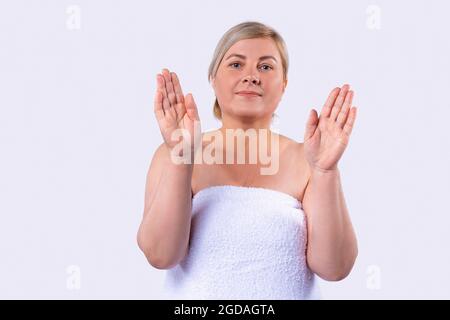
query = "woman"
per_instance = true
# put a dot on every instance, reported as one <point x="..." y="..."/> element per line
<point x="226" y="230"/>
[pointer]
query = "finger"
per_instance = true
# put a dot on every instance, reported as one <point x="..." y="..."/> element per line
<point x="169" y="87"/>
<point x="191" y="108"/>
<point x="342" y="117"/>
<point x="158" y="105"/>
<point x="311" y="124"/>
<point x="166" y="104"/>
<point x="177" y="87"/>
<point x="180" y="103"/>
<point x="180" y="107"/>
<point x="326" y="110"/>
<point x="348" y="127"/>
<point x="339" y="101"/>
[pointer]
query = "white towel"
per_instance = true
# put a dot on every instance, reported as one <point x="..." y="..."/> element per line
<point x="245" y="243"/>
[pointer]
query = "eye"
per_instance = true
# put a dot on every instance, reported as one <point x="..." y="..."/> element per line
<point x="266" y="65"/>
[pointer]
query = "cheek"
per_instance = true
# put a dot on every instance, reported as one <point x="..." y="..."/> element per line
<point x="226" y="87"/>
<point x="275" y="89"/>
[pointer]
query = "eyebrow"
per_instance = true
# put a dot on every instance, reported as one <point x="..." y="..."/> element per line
<point x="243" y="57"/>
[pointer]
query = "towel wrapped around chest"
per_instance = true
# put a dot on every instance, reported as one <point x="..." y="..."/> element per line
<point x="245" y="243"/>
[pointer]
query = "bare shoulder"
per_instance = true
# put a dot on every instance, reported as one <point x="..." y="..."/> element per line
<point x="292" y="148"/>
<point x="294" y="154"/>
<point x="200" y="169"/>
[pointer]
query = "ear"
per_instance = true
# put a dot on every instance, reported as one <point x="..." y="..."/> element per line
<point x="285" y="85"/>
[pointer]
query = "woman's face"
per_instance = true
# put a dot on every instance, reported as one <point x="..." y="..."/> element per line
<point x="250" y="65"/>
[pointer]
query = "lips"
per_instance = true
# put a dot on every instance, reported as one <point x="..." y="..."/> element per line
<point x="247" y="93"/>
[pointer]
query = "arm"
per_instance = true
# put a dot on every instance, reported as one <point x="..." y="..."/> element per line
<point x="163" y="235"/>
<point x="332" y="246"/>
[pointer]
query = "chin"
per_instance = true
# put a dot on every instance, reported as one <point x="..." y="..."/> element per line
<point x="247" y="111"/>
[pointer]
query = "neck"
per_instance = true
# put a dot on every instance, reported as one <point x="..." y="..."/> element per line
<point x="245" y="123"/>
<point x="256" y="133"/>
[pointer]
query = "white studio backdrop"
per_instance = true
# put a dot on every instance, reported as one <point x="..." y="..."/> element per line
<point x="77" y="132"/>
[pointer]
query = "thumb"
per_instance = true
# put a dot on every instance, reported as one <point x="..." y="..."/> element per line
<point x="191" y="107"/>
<point x="311" y="124"/>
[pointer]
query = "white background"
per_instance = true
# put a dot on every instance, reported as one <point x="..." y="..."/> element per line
<point x="77" y="133"/>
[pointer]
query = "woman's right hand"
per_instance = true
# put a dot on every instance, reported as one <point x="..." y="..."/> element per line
<point x="175" y="112"/>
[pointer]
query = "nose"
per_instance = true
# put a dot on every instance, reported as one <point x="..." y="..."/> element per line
<point x="251" y="78"/>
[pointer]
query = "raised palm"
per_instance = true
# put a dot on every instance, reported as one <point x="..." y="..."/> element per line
<point x="327" y="136"/>
<point x="175" y="113"/>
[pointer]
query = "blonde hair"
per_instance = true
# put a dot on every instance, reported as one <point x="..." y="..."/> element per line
<point x="245" y="30"/>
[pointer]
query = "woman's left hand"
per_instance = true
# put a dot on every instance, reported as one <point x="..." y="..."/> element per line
<point x="327" y="137"/>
